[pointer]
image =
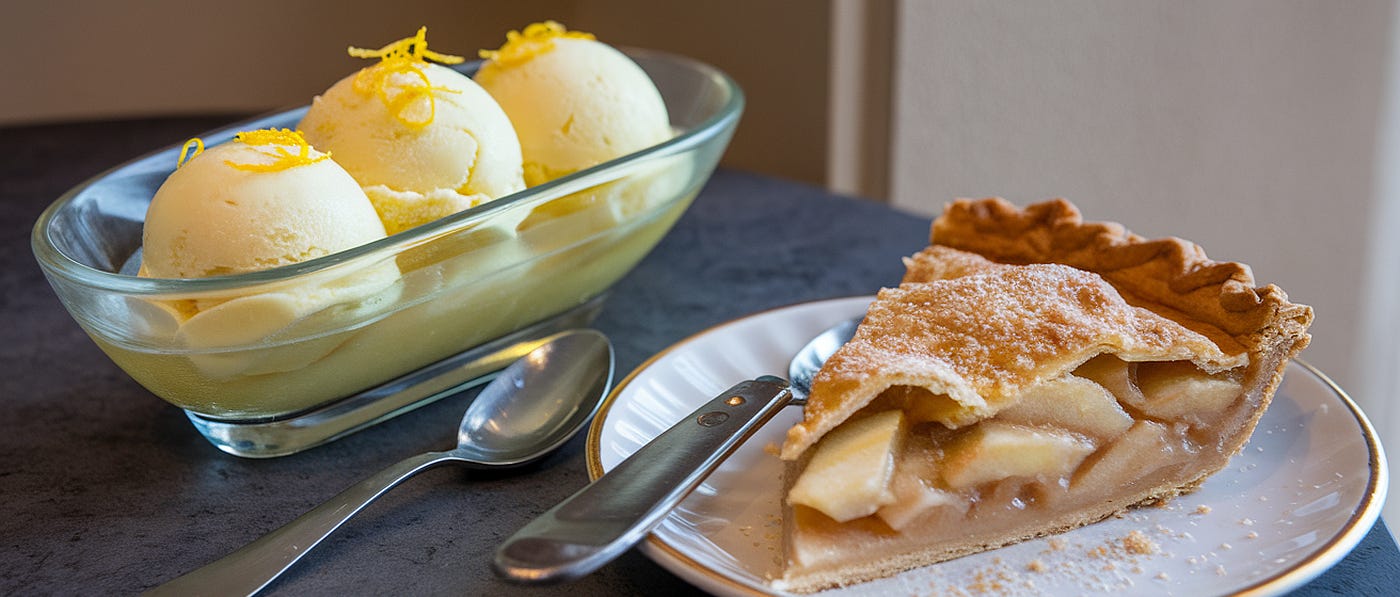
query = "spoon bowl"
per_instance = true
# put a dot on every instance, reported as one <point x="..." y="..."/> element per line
<point x="538" y="403"/>
<point x="530" y="409"/>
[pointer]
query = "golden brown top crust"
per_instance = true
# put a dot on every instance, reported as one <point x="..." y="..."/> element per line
<point x="1172" y="276"/>
<point x="981" y="332"/>
<point x="983" y="313"/>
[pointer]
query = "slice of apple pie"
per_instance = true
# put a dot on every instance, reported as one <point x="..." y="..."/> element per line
<point x="1033" y="373"/>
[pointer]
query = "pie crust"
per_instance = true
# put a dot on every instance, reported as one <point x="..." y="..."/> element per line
<point x="1003" y="305"/>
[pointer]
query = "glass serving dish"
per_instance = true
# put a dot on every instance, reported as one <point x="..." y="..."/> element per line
<point x="276" y="361"/>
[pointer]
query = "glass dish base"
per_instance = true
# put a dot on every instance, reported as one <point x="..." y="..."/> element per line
<point x="289" y="435"/>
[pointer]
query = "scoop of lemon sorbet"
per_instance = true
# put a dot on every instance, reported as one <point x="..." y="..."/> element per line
<point x="423" y="140"/>
<point x="264" y="200"/>
<point x="575" y="102"/>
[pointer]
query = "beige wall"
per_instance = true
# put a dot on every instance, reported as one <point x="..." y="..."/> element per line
<point x="1249" y="127"/>
<point x="154" y="57"/>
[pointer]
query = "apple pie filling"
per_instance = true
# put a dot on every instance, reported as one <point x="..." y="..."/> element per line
<point x="910" y="455"/>
<point x="1109" y="422"/>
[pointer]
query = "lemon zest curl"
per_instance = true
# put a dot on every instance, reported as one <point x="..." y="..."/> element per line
<point x="408" y="48"/>
<point x="185" y="155"/>
<point x="274" y="143"/>
<point x="536" y="39"/>
<point x="403" y="57"/>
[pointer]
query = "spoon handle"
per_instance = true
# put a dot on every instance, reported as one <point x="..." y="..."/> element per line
<point x="613" y="513"/>
<point x="255" y="565"/>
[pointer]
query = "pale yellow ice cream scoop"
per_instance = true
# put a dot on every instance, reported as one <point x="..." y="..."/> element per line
<point x="263" y="201"/>
<point x="423" y="140"/>
<point x="575" y="102"/>
<point x="266" y="199"/>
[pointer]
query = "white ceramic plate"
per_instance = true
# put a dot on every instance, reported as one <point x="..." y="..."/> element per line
<point x="1302" y="494"/>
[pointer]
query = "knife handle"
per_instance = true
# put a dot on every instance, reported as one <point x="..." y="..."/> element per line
<point x="610" y="515"/>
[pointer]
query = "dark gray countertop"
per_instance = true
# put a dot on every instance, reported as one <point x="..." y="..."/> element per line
<point x="106" y="489"/>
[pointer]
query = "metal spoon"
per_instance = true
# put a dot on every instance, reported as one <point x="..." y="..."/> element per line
<point x="531" y="408"/>
<point x="610" y="515"/>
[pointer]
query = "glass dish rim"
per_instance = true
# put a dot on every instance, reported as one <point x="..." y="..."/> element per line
<point x="55" y="262"/>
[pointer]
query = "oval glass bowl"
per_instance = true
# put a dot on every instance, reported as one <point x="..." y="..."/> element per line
<point x="275" y="361"/>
